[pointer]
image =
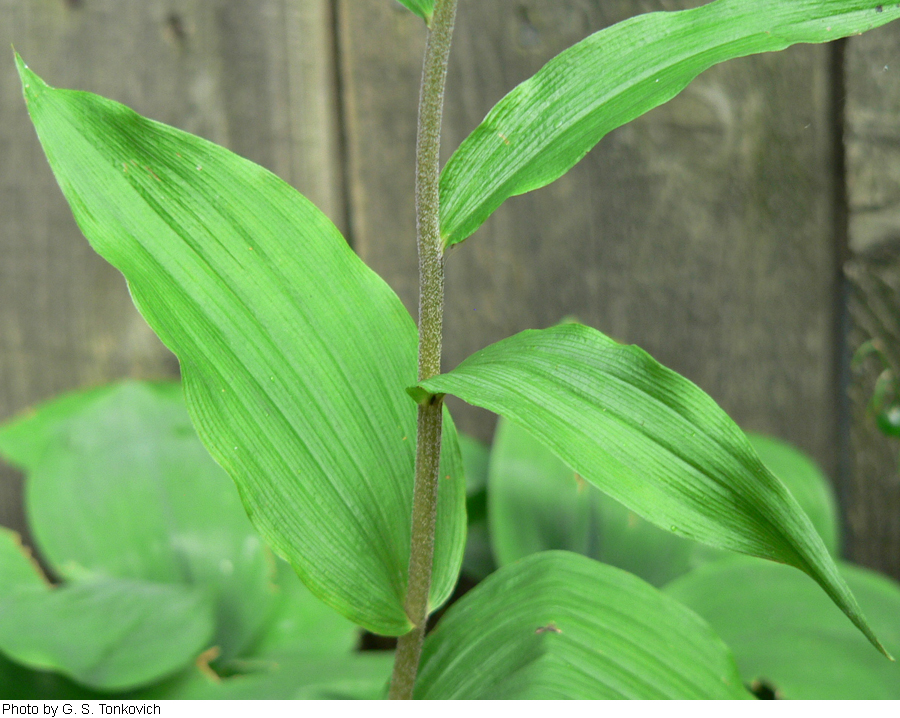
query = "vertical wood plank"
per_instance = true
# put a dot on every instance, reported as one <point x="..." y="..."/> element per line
<point x="702" y="232"/>
<point x="257" y="77"/>
<point x="872" y="493"/>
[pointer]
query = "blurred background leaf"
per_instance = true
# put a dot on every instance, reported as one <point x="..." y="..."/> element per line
<point x="159" y="563"/>
<point x="788" y="638"/>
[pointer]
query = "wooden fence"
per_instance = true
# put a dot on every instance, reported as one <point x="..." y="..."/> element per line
<point x="714" y="232"/>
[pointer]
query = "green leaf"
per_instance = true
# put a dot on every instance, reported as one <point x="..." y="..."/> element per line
<point x="294" y="355"/>
<point x="118" y="485"/>
<point x="20" y="683"/>
<point x="806" y="482"/>
<point x="537" y="503"/>
<point x="787" y="636"/>
<point x="18" y="571"/>
<point x="17" y="568"/>
<point x="559" y="625"/>
<point x="477" y="560"/>
<point x="285" y="676"/>
<point x="475" y="457"/>
<point x="423" y="8"/>
<point x="650" y="439"/>
<point x="108" y="634"/>
<point x="300" y="621"/>
<point x="546" y="125"/>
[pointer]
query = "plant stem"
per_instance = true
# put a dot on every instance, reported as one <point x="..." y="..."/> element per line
<point x="431" y="320"/>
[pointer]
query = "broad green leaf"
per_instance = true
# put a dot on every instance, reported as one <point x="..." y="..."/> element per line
<point x="559" y="625"/>
<point x="285" y="676"/>
<point x="650" y="439"/>
<point x="477" y="560"/>
<point x="546" y="125"/>
<point x="537" y="503"/>
<point x="17" y="568"/>
<point x="423" y="8"/>
<point x="18" y="571"/>
<point x="118" y="485"/>
<point x="293" y="353"/>
<point x="300" y="621"/>
<point x="20" y="683"/>
<point x="475" y="456"/>
<point x="788" y="637"/>
<point x="108" y="634"/>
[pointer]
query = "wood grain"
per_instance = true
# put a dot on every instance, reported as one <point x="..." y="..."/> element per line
<point x="871" y="495"/>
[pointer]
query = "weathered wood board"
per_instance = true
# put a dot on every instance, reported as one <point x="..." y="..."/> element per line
<point x="871" y="495"/>
<point x="255" y="76"/>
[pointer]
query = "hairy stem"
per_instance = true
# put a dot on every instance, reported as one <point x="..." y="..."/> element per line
<point x="431" y="320"/>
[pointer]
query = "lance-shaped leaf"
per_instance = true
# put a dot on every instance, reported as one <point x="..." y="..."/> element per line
<point x="559" y="625"/>
<point x="293" y="353"/>
<point x="537" y="503"/>
<point x="788" y="637"/>
<point x="649" y="438"/>
<point x="546" y="125"/>
<point x="423" y="8"/>
<point x="806" y="482"/>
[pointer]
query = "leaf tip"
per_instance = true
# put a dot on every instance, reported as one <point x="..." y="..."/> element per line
<point x="31" y="83"/>
<point x="873" y="639"/>
<point x="20" y="63"/>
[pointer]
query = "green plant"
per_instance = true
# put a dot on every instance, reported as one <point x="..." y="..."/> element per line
<point x="295" y="358"/>
<point x="787" y="638"/>
<point x="156" y="564"/>
<point x="126" y="506"/>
